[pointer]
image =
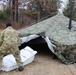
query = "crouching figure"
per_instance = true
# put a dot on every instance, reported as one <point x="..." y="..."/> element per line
<point x="9" y="41"/>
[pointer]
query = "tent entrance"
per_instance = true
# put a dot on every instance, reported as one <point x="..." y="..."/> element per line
<point x="38" y="44"/>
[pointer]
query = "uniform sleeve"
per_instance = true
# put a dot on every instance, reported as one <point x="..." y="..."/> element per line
<point x="11" y="39"/>
<point x="5" y="43"/>
<point x="1" y="38"/>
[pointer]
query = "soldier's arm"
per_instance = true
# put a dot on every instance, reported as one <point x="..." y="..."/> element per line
<point x="5" y="45"/>
<point x="1" y="38"/>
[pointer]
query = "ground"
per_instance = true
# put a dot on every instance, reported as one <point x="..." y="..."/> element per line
<point x="44" y="64"/>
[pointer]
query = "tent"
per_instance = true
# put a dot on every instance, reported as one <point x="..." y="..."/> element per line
<point x="60" y="40"/>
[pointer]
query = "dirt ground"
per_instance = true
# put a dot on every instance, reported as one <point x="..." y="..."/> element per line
<point x="44" y="64"/>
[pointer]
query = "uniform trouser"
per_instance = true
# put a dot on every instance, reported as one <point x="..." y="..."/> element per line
<point x="15" y="54"/>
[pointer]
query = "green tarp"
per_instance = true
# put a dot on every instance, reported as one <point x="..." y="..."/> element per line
<point x="56" y="29"/>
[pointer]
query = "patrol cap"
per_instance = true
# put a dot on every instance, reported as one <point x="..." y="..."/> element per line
<point x="8" y="24"/>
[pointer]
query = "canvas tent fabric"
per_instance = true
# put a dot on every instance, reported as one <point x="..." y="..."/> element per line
<point x="30" y="37"/>
<point x="56" y="29"/>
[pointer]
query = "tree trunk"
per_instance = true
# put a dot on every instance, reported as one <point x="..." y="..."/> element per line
<point x="13" y="8"/>
<point x="16" y="10"/>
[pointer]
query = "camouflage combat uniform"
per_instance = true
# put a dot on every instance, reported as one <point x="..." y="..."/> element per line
<point x="9" y="41"/>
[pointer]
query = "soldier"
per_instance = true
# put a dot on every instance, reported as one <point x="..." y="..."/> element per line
<point x="9" y="41"/>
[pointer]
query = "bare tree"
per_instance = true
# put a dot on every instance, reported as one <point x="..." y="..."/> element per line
<point x="13" y="8"/>
<point x="16" y="10"/>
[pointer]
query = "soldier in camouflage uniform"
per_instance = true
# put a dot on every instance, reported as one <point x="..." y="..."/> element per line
<point x="9" y="41"/>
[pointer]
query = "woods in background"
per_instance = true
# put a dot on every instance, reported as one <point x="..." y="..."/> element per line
<point x="24" y="10"/>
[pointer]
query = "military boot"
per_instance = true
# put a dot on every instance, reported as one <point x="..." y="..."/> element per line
<point x="21" y="68"/>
